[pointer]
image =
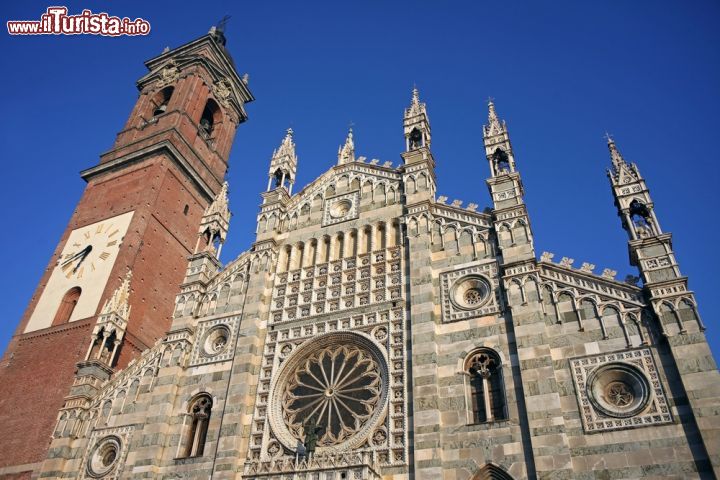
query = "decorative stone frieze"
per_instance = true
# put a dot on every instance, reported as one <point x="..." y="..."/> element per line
<point x="619" y="390"/>
<point x="106" y="453"/>
<point x="470" y="292"/>
<point x="341" y="208"/>
<point x="215" y="340"/>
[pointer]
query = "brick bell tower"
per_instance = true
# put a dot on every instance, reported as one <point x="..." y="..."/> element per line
<point x="139" y="213"/>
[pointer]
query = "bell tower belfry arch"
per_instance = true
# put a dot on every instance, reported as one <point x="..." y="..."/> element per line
<point x="140" y="211"/>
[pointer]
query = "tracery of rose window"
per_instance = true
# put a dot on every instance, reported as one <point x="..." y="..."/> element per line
<point x="338" y="386"/>
<point x="619" y="394"/>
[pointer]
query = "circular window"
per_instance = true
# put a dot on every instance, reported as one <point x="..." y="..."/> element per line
<point x="339" y="383"/>
<point x="340" y="208"/>
<point x="618" y="390"/>
<point x="216" y="340"/>
<point x="104" y="457"/>
<point x="470" y="292"/>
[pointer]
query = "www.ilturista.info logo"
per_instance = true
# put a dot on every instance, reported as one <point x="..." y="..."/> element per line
<point x="56" y="21"/>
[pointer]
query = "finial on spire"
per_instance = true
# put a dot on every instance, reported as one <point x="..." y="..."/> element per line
<point x="416" y="124"/>
<point x="346" y="153"/>
<point x="118" y="303"/>
<point x="617" y="159"/>
<point x="287" y="146"/>
<point x="415" y="96"/>
<point x="494" y="126"/>
<point x="416" y="108"/>
<point x="220" y="204"/>
<point x="283" y="163"/>
<point x="218" y="31"/>
<point x="223" y="23"/>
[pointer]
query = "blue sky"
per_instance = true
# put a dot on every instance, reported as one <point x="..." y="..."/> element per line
<point x="562" y="73"/>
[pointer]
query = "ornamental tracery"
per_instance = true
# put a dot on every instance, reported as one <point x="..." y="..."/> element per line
<point x="340" y="386"/>
<point x="339" y="381"/>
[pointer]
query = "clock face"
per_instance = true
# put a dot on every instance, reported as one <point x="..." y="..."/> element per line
<point x="96" y="245"/>
<point x="86" y="262"/>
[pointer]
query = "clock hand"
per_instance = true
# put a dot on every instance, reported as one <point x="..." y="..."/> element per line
<point x="81" y="252"/>
<point x="85" y="253"/>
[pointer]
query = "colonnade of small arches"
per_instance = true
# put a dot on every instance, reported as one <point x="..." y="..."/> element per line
<point x="416" y="183"/>
<point x="568" y="305"/>
<point x="79" y="422"/>
<point x="681" y="312"/>
<point x="452" y="237"/>
<point x="513" y="233"/>
<point x="373" y="191"/>
<point x="217" y="300"/>
<point x="342" y="244"/>
<point x="121" y="395"/>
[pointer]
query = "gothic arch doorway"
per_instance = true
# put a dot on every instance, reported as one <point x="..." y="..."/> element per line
<point x="491" y="472"/>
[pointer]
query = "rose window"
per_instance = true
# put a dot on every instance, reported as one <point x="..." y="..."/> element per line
<point x="339" y="382"/>
<point x="103" y="457"/>
<point x="215" y="340"/>
<point x="473" y="296"/>
<point x="470" y="292"/>
<point x="340" y="208"/>
<point x="619" y="394"/>
<point x="618" y="390"/>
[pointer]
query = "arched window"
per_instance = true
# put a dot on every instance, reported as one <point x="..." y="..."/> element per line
<point x="199" y="412"/>
<point x="491" y="472"/>
<point x="487" y="391"/>
<point x="640" y="217"/>
<point x="501" y="160"/>
<point x="209" y="119"/>
<point x="416" y="139"/>
<point x="160" y="101"/>
<point x="279" y="178"/>
<point x="67" y="306"/>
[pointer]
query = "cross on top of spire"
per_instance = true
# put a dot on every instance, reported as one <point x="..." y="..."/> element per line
<point x="346" y="153"/>
<point x="617" y="159"/>
<point x="287" y="146"/>
<point x="416" y="107"/>
<point x="494" y="126"/>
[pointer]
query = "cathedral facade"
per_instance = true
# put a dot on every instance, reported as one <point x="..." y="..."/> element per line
<point x="373" y="330"/>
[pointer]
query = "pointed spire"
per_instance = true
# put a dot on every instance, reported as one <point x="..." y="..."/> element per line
<point x="283" y="164"/>
<point x="416" y="108"/>
<point x="617" y="160"/>
<point x="416" y="124"/>
<point x="220" y="204"/>
<point x="494" y="126"/>
<point x="346" y="153"/>
<point x="118" y="303"/>
<point x="286" y="148"/>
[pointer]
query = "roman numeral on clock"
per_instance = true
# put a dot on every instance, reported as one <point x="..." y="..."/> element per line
<point x="105" y="255"/>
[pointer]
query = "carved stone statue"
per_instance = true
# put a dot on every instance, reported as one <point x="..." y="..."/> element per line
<point x="312" y="431"/>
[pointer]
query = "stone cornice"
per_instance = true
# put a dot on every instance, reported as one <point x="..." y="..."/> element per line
<point x="165" y="146"/>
